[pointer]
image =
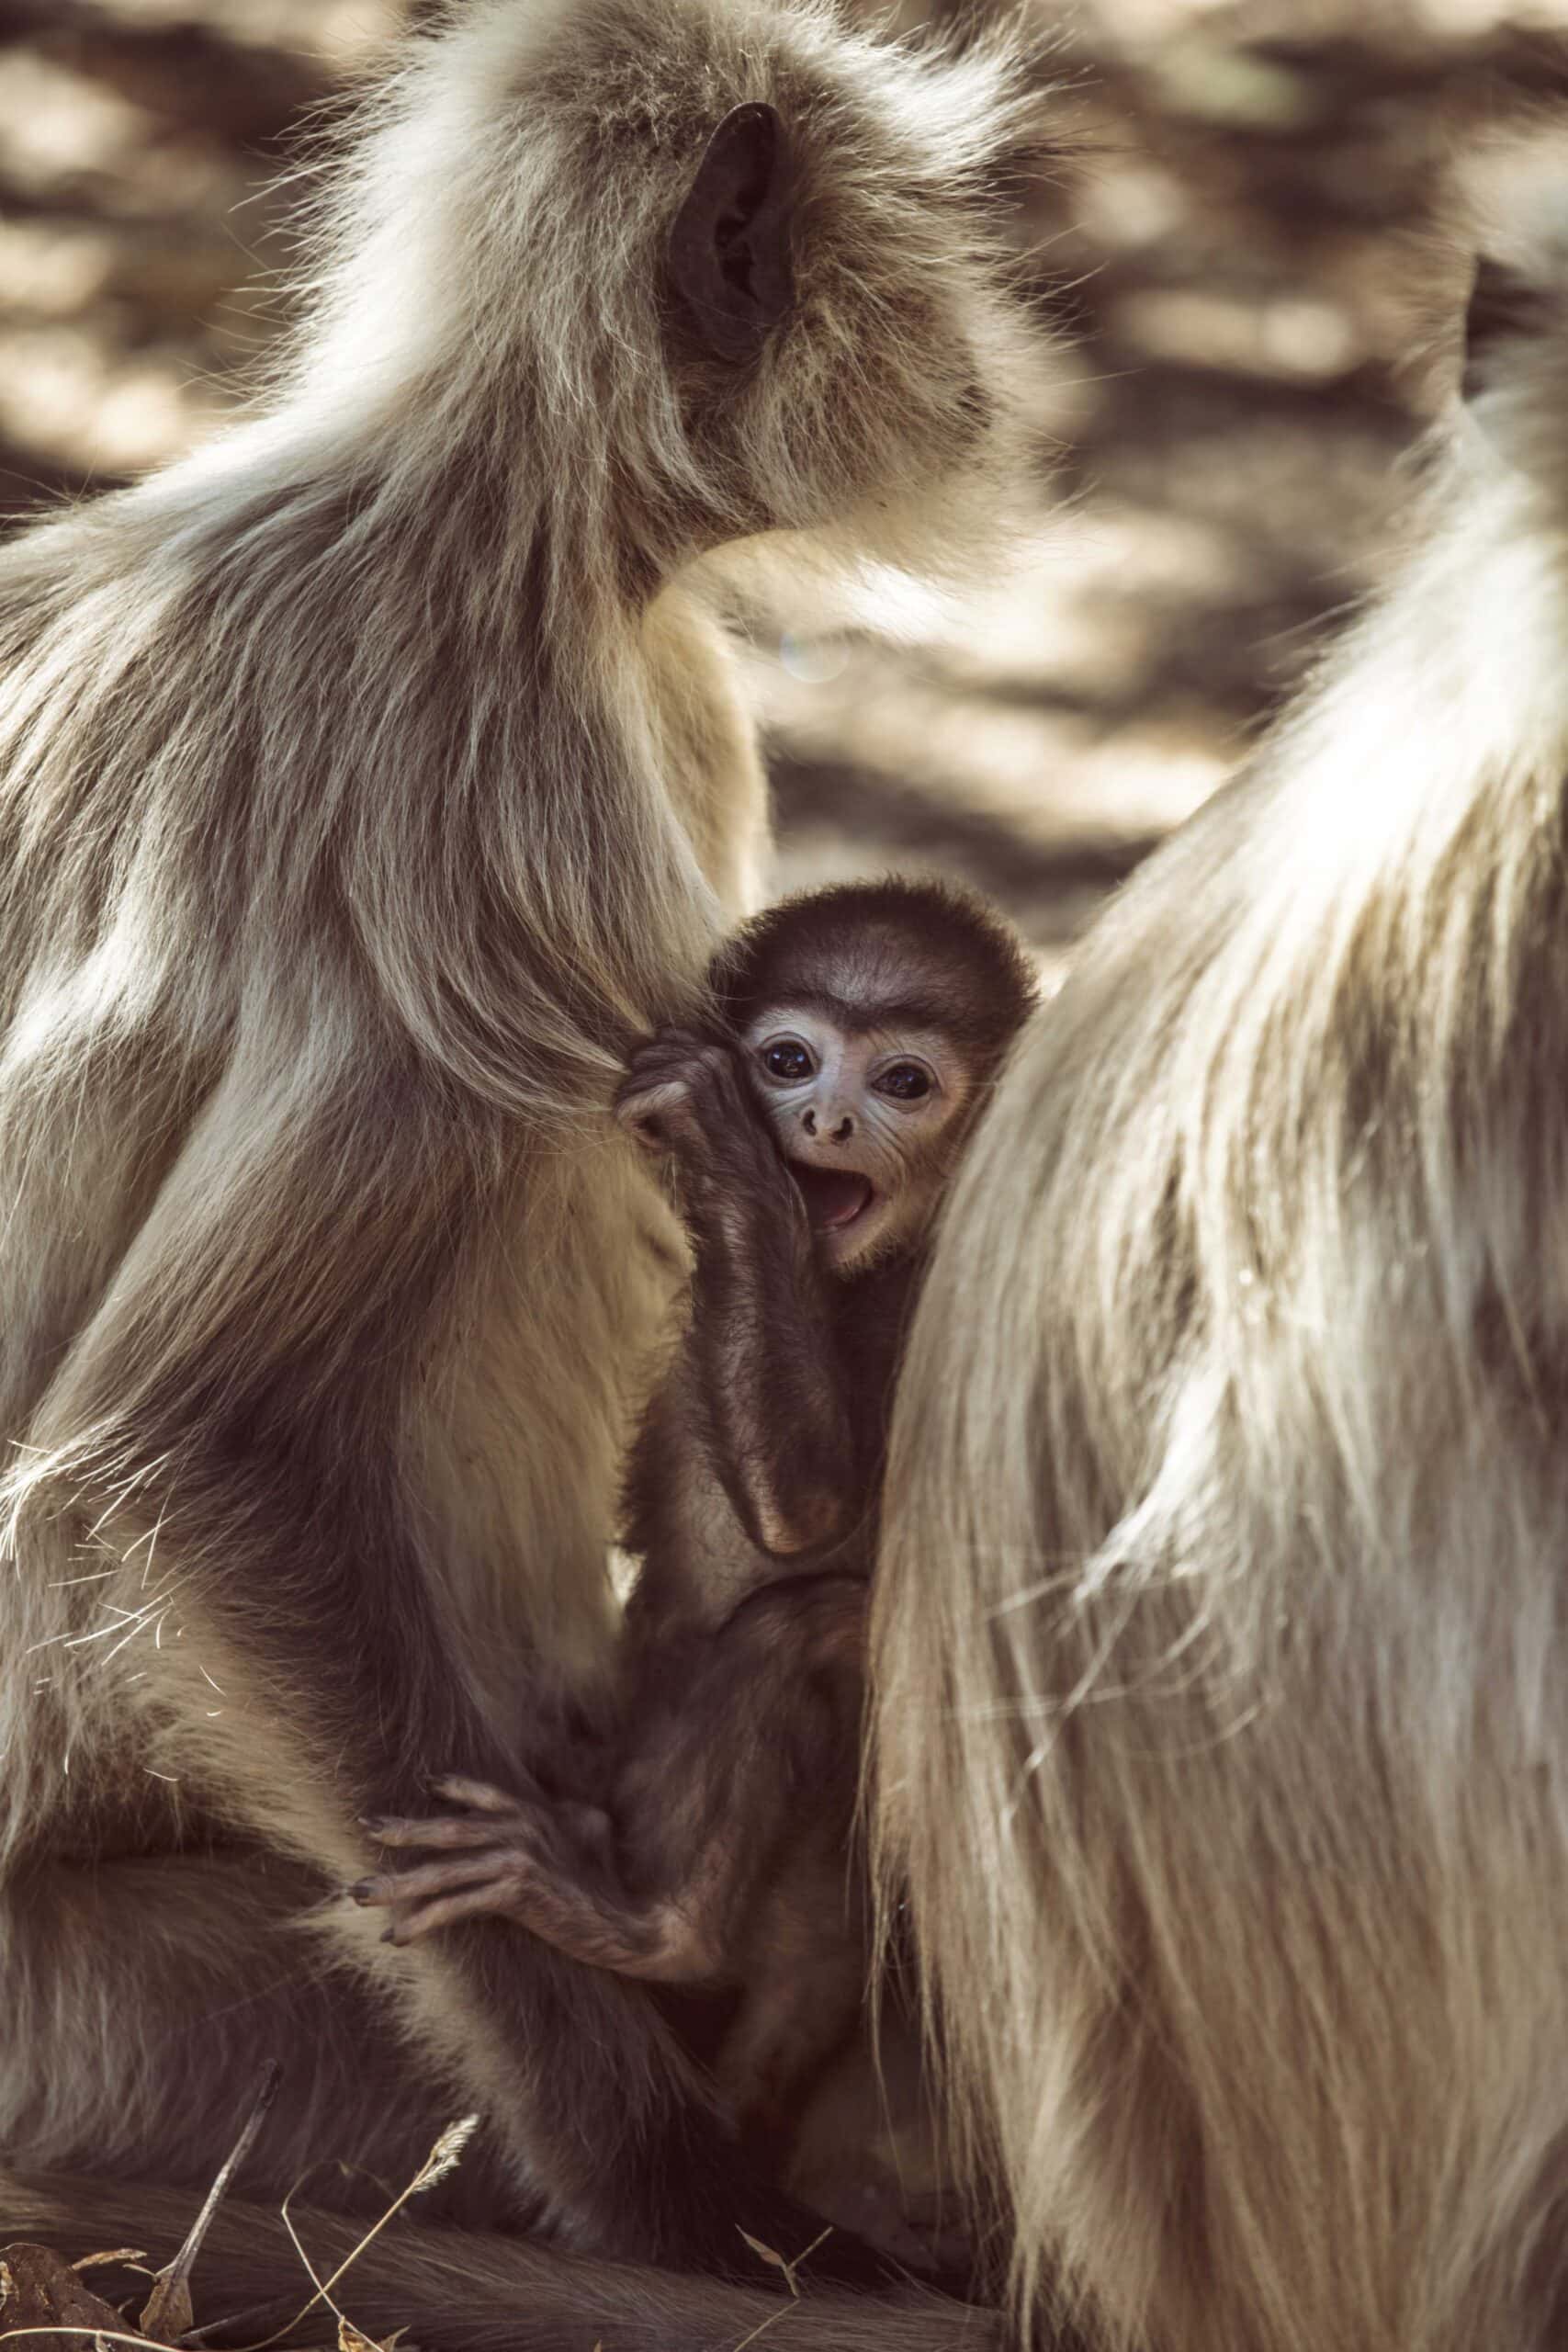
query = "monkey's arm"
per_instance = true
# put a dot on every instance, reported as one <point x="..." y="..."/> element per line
<point x="779" y="1427"/>
<point x="708" y="1873"/>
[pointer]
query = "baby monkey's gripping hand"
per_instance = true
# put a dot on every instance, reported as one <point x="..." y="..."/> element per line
<point x="493" y="1855"/>
<point x="547" y="1864"/>
<point x="685" y="1095"/>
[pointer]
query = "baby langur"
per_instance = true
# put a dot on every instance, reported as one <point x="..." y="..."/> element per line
<point x="813" y="1135"/>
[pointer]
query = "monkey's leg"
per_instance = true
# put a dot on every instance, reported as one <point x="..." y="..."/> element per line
<point x="806" y="1972"/>
<point x="253" y="1416"/>
<point x="586" y="2083"/>
<point x="193" y="1948"/>
<point x="144" y="1995"/>
<point x="464" y="2291"/>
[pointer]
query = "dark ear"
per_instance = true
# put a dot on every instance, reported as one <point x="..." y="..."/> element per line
<point x="730" y="257"/>
<point x="1504" y="306"/>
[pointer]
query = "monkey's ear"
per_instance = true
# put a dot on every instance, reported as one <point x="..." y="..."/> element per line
<point x="730" y="250"/>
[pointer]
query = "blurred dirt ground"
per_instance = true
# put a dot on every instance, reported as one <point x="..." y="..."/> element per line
<point x="1236" y="228"/>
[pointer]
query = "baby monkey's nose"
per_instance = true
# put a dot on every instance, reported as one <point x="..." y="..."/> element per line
<point x="840" y="1134"/>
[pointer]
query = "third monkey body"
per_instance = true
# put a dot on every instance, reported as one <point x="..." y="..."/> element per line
<point x="812" y="1132"/>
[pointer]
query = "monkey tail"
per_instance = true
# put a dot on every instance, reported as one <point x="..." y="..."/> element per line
<point x="458" y="2290"/>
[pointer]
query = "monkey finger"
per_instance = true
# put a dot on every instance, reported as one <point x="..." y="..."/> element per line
<point x="388" y="1889"/>
<point x="649" y="1067"/>
<point x="642" y="1111"/>
<point x="440" y="1829"/>
<point x="645" y="1132"/>
<point x="651" y="1071"/>
<point x="675" y="1052"/>
<point x="685" y="1104"/>
<point x="479" y="1796"/>
<point x="679" y="1043"/>
<point x="656" y="1064"/>
<point x="441" y="1911"/>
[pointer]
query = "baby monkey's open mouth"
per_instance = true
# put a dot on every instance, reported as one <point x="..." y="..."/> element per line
<point x="834" y="1197"/>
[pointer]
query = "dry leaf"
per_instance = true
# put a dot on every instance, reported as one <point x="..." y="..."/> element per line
<point x="39" y="2289"/>
<point x="766" y="2253"/>
<point x="134" y="2254"/>
<point x="166" y="2315"/>
<point x="354" y="2339"/>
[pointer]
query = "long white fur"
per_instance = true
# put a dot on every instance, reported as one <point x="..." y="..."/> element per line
<point x="1222" y="1692"/>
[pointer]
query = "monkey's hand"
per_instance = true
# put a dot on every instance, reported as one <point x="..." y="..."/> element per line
<point x="685" y="1093"/>
<point x="545" y="1866"/>
<point x="679" y="1086"/>
<point x="493" y="1856"/>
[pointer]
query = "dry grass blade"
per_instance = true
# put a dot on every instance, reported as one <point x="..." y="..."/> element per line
<point x="446" y="2152"/>
<point x="767" y="2253"/>
<point x="99" y="2335"/>
<point x="788" y="2265"/>
<point x="777" y="2261"/>
<point x="167" y="2315"/>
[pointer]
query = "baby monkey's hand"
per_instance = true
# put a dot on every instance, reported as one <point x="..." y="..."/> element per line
<point x="683" y="1094"/>
<point x="686" y="1095"/>
<point x="548" y="1865"/>
<point x="491" y="1857"/>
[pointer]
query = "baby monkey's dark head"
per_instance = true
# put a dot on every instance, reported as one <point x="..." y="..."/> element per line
<point x="871" y="1018"/>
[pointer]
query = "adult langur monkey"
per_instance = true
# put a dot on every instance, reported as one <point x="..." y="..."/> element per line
<point x="367" y="784"/>
<point x="1223" y="1682"/>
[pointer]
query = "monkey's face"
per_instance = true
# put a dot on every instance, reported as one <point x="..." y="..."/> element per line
<point x="868" y="1119"/>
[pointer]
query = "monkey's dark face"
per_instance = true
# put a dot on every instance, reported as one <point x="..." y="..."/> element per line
<point x="868" y="1119"/>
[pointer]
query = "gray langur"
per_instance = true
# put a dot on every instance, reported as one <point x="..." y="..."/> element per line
<point x="368" y="781"/>
<point x="711" y="1842"/>
<point x="1219" y="1641"/>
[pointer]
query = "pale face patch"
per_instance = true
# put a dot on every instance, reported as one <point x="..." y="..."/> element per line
<point x="864" y="1117"/>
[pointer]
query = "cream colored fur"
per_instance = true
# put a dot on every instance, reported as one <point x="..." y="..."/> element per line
<point x="367" y="782"/>
<point x="1221" y="1647"/>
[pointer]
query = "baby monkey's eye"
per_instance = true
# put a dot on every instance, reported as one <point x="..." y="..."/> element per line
<point x="906" y="1081"/>
<point x="788" y="1059"/>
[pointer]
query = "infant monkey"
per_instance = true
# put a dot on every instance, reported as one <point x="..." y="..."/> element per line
<point x="812" y="1134"/>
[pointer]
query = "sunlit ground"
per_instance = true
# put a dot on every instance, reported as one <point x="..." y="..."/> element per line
<point x="1236" y="234"/>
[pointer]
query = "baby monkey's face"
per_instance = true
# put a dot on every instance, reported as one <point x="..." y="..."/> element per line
<point x="868" y="1119"/>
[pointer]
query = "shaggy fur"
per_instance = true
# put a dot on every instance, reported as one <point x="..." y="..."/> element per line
<point x="366" y="783"/>
<point x="1220" y="1649"/>
<point x="711" y="1841"/>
